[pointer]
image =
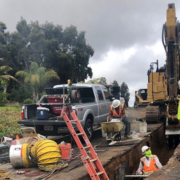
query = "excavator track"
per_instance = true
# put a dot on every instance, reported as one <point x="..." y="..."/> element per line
<point x="152" y="113"/>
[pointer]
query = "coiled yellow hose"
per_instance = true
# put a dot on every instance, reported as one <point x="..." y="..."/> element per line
<point x="46" y="153"/>
<point x="25" y="155"/>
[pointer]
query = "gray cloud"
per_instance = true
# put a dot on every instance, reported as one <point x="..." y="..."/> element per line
<point x="134" y="70"/>
<point x="109" y="24"/>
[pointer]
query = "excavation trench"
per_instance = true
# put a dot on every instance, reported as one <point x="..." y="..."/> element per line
<point x="129" y="159"/>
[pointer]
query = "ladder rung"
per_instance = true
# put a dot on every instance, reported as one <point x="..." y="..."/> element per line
<point x="92" y="160"/>
<point x="79" y="134"/>
<point x="86" y="147"/>
<point x="73" y="120"/>
<point x="99" y="173"/>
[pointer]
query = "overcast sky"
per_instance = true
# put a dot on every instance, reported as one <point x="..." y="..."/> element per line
<point x="125" y="34"/>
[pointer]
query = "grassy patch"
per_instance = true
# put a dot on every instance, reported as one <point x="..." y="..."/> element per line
<point x="9" y="115"/>
<point x="11" y="108"/>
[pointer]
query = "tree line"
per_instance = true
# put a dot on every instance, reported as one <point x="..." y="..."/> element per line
<point x="36" y="56"/>
<point x="41" y="55"/>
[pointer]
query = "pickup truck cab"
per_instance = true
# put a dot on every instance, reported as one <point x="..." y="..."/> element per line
<point x="92" y="109"/>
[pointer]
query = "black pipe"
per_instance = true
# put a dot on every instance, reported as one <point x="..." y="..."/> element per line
<point x="157" y="66"/>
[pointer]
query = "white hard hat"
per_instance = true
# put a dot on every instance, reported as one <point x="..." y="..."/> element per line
<point x="144" y="148"/>
<point x="115" y="103"/>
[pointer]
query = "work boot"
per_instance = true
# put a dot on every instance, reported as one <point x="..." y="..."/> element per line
<point x="128" y="136"/>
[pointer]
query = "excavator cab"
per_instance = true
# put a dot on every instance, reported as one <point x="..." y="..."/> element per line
<point x="143" y="93"/>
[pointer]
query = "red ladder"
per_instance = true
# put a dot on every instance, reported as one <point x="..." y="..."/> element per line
<point x="96" y="169"/>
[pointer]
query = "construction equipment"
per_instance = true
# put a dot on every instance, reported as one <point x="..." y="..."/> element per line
<point x="113" y="130"/>
<point x="91" y="161"/>
<point x="141" y="98"/>
<point x="155" y="97"/>
<point x="162" y="88"/>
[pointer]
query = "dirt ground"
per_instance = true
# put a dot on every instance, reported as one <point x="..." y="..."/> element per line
<point x="110" y="157"/>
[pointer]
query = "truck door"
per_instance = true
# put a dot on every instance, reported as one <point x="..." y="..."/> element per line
<point x="102" y="108"/>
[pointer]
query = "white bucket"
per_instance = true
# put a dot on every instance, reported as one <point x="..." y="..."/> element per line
<point x="142" y="127"/>
<point x="103" y="133"/>
<point x="135" y="126"/>
<point x="15" y="155"/>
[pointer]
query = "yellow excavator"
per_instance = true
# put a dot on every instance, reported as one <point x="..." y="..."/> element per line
<point x="141" y="98"/>
<point x="162" y="89"/>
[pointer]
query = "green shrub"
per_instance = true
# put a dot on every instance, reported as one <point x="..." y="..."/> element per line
<point x="41" y="94"/>
<point x="3" y="98"/>
<point x="20" y="93"/>
<point x="28" y="101"/>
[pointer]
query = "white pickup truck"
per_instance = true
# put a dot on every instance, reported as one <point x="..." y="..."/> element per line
<point x="92" y="110"/>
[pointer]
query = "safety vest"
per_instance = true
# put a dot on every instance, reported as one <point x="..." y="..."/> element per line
<point x="115" y="114"/>
<point x="152" y="167"/>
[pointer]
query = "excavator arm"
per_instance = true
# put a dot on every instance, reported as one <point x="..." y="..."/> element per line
<point x="170" y="39"/>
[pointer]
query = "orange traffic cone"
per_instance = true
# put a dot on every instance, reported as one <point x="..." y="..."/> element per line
<point x="17" y="137"/>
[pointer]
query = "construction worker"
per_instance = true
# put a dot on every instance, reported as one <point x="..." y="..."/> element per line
<point x="69" y="89"/>
<point x="149" y="163"/>
<point x="117" y="111"/>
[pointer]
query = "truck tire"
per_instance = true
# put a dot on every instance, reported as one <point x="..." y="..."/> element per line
<point x="89" y="128"/>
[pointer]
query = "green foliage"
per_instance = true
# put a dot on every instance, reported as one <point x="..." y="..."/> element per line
<point x="115" y="83"/>
<point x="20" y="93"/>
<point x="124" y="90"/>
<point x="64" y="51"/>
<point x="33" y="48"/>
<point x="3" y="98"/>
<point x="8" y="121"/>
<point x="93" y="81"/>
<point x="102" y="81"/>
<point x="4" y="48"/>
<point x="4" y="77"/>
<point x="16" y="109"/>
<point x="43" y="93"/>
<point x="37" y="77"/>
<point x="2" y="27"/>
<point x="28" y="101"/>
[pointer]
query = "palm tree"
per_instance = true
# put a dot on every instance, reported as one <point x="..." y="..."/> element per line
<point x="37" y="77"/>
<point x="5" y="77"/>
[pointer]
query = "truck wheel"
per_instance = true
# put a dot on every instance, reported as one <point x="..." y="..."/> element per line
<point x="89" y="128"/>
